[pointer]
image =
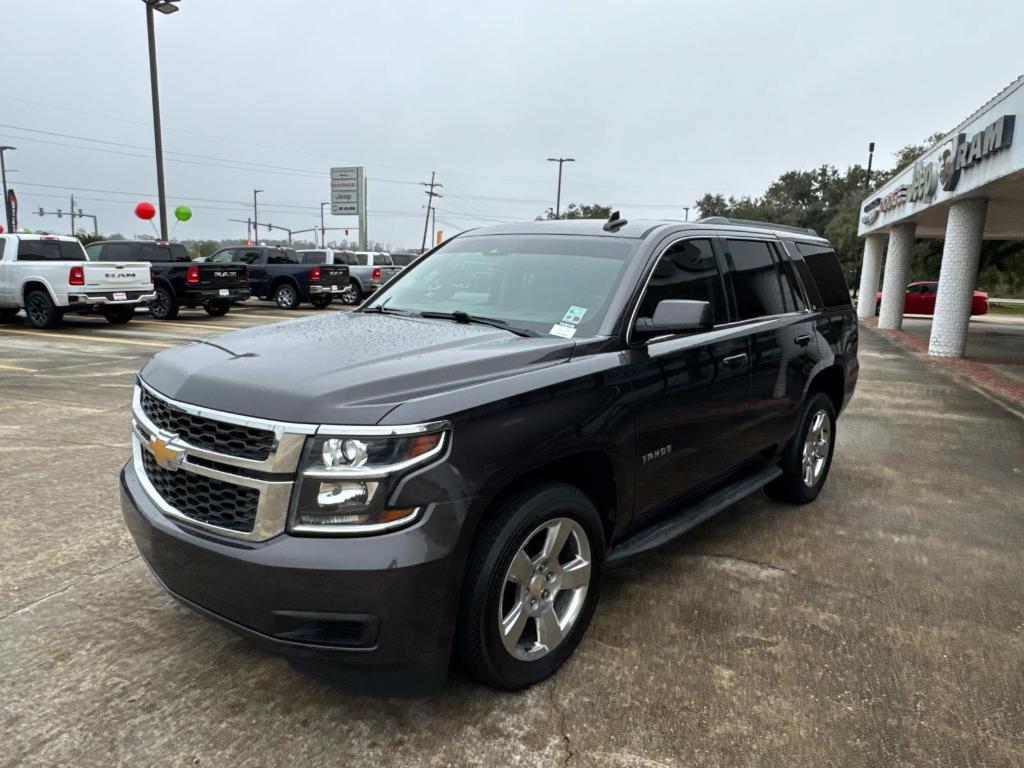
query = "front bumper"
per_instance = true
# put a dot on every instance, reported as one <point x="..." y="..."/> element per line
<point x="380" y="610"/>
<point x="132" y="299"/>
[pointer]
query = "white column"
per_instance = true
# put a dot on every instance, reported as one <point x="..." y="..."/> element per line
<point x="958" y="275"/>
<point x="897" y="272"/>
<point x="870" y="269"/>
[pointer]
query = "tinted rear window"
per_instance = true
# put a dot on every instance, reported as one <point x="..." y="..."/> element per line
<point x="823" y="264"/>
<point x="282" y="256"/>
<point x="313" y="257"/>
<point x="50" y="250"/>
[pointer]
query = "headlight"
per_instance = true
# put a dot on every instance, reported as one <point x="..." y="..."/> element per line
<point x="342" y="479"/>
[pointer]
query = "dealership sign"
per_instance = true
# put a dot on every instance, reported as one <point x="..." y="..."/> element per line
<point x="963" y="153"/>
<point x="347" y="196"/>
<point x="957" y="156"/>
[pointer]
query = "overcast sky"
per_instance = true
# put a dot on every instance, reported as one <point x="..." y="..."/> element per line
<point x="658" y="102"/>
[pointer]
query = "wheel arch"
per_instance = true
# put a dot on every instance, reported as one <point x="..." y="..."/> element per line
<point x="34" y="283"/>
<point x="832" y="382"/>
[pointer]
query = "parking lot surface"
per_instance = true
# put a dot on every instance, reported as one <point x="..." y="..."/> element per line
<point x="882" y="625"/>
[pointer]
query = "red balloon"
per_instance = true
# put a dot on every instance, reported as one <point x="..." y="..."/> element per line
<point x="145" y="211"/>
<point x="1" y="229"/>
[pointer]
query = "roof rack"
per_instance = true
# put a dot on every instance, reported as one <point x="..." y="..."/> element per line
<point x="762" y="224"/>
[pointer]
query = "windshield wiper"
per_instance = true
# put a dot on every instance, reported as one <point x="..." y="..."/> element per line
<point x="380" y="309"/>
<point x="464" y="317"/>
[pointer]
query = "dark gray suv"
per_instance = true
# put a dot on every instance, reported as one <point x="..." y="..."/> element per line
<point x="444" y="473"/>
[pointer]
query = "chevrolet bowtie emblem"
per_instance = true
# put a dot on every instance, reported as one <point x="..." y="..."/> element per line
<point x="165" y="456"/>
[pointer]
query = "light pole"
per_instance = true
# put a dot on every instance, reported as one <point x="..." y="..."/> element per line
<point x="166" y="7"/>
<point x="561" y="161"/>
<point x="871" y="156"/>
<point x="687" y="209"/>
<point x="3" y="173"/>
<point x="255" y="218"/>
<point x="323" y="242"/>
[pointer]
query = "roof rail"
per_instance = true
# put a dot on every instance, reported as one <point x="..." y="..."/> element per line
<point x="762" y="224"/>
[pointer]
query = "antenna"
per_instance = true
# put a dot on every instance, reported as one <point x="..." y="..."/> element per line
<point x="614" y="223"/>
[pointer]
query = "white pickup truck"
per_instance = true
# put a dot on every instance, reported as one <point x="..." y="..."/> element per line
<point x="49" y="275"/>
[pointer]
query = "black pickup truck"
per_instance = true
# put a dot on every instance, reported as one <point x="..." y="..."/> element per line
<point x="277" y="273"/>
<point x="443" y="473"/>
<point x="178" y="281"/>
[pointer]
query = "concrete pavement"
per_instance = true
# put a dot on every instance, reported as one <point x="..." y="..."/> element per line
<point x="881" y="626"/>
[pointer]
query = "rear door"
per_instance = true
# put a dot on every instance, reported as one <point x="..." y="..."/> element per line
<point x="780" y="329"/>
<point x="691" y="389"/>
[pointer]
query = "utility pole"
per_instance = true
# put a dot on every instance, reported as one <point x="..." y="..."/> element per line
<point x="3" y="173"/>
<point x="558" y="198"/>
<point x="323" y="242"/>
<point x="686" y="208"/>
<point x="431" y="194"/>
<point x="166" y="7"/>
<point x="871" y="154"/>
<point x="72" y="215"/>
<point x="255" y="218"/>
<point x="433" y="227"/>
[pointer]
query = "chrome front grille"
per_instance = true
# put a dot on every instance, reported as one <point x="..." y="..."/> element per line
<point x="209" y="434"/>
<point x="223" y="472"/>
<point x="203" y="499"/>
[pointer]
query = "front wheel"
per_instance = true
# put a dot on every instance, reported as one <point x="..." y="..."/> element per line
<point x="321" y="301"/>
<point x="41" y="311"/>
<point x="217" y="308"/>
<point x="531" y="586"/>
<point x="118" y="315"/>
<point x="164" y="305"/>
<point x="807" y="458"/>
<point x="286" y="296"/>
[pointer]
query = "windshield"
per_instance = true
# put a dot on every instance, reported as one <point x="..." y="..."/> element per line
<point x="550" y="285"/>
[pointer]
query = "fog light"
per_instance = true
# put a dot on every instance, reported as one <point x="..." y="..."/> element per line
<point x="339" y="452"/>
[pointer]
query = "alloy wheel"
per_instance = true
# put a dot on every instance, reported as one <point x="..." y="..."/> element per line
<point x="544" y="589"/>
<point x="285" y="297"/>
<point x="817" y="446"/>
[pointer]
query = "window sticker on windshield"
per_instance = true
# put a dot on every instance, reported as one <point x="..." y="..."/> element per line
<point x="563" y="330"/>
<point x="574" y="315"/>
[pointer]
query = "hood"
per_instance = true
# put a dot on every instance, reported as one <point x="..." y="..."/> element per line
<point x="343" y="368"/>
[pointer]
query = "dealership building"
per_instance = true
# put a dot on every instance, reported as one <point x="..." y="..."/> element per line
<point x="967" y="188"/>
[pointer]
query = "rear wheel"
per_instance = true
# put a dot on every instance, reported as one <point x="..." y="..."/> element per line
<point x="351" y="294"/>
<point x="41" y="311"/>
<point x="217" y="308"/>
<point x="807" y="458"/>
<point x="164" y="306"/>
<point x="118" y="315"/>
<point x="321" y="301"/>
<point x="286" y="296"/>
<point x="531" y="586"/>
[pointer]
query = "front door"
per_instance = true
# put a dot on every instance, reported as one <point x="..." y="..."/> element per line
<point x="690" y="389"/>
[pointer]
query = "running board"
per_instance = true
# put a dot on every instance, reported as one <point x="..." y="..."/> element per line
<point x="692" y="516"/>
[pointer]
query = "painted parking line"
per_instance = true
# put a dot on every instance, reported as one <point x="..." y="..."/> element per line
<point x="88" y="337"/>
<point x="190" y="326"/>
<point x="17" y="368"/>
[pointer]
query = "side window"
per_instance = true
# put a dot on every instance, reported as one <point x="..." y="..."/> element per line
<point x="94" y="251"/>
<point x="361" y="259"/>
<point x="223" y="257"/>
<point x="687" y="270"/>
<point x="383" y="259"/>
<point x="929" y="288"/>
<point x="3" y="242"/>
<point x="790" y="285"/>
<point x="823" y="264"/>
<point x="38" y="250"/>
<point x="755" y="280"/>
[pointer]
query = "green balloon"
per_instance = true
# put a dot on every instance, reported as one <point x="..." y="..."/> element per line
<point x="183" y="213"/>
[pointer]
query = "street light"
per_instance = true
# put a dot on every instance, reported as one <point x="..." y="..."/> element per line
<point x="165" y="7"/>
<point x="323" y="243"/>
<point x="560" y="161"/>
<point x="3" y="173"/>
<point x="255" y="218"/>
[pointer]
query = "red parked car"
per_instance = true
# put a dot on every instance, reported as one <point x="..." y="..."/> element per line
<point x="921" y="299"/>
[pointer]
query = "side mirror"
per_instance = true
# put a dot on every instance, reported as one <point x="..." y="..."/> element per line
<point x="677" y="316"/>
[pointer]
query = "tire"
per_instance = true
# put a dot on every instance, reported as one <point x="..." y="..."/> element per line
<point x="6" y="315"/>
<point x="217" y="308"/>
<point x="286" y="296"/>
<point x="800" y="484"/>
<point x="164" y="306"/>
<point x="118" y="315"/>
<point x="351" y="295"/>
<point x="321" y="301"/>
<point x="40" y="309"/>
<point x="517" y="535"/>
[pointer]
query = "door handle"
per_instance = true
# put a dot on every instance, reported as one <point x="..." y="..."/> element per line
<point x="734" y="361"/>
<point x="803" y="340"/>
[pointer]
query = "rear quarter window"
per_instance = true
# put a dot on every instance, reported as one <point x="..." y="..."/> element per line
<point x="50" y="250"/>
<point x="823" y="266"/>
